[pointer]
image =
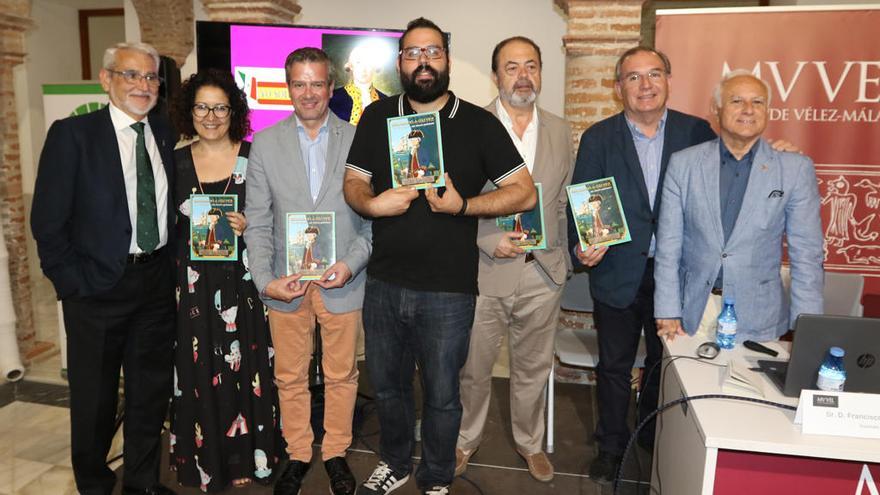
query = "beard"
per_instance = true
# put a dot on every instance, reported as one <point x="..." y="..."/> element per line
<point x="425" y="91"/>
<point x="516" y="99"/>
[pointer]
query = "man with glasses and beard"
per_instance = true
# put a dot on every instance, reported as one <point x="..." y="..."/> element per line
<point x="419" y="309"/>
<point x="102" y="216"/>
<point x="519" y="291"/>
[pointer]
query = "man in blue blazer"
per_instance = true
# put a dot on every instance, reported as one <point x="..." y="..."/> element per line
<point x="634" y="147"/>
<point x="727" y="204"/>
<point x="102" y="220"/>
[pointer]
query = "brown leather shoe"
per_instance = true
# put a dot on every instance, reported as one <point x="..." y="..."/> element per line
<point x="461" y="460"/>
<point x="539" y="465"/>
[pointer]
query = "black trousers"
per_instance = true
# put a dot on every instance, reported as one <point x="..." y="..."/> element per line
<point x="619" y="331"/>
<point x="130" y="326"/>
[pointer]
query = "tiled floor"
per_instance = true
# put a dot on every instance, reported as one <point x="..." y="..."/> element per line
<point x="35" y="451"/>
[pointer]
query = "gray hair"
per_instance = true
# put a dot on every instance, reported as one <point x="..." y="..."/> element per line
<point x="716" y="93"/>
<point x="110" y="52"/>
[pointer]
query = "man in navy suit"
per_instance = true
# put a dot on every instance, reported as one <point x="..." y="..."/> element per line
<point x="101" y="218"/>
<point x="633" y="147"/>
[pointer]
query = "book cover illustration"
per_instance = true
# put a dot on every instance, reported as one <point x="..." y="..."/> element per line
<point x="598" y="213"/>
<point x="311" y="243"/>
<point x="529" y="224"/>
<point x="416" y="149"/>
<point x="211" y="236"/>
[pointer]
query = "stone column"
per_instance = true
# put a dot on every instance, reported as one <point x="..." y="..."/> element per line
<point x="598" y="32"/>
<point x="266" y="12"/>
<point x="167" y="25"/>
<point x="14" y="22"/>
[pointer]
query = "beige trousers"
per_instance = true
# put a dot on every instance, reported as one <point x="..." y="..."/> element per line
<point x="293" y="339"/>
<point x="529" y="318"/>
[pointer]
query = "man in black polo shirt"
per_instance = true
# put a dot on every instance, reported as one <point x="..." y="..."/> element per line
<point x="422" y="275"/>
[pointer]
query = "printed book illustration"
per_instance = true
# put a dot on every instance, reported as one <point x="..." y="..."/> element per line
<point x="598" y="213"/>
<point x="416" y="149"/>
<point x="311" y="243"/>
<point x="529" y="224"/>
<point x="211" y="236"/>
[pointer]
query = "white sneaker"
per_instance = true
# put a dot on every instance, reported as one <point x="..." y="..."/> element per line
<point x="384" y="480"/>
<point x="437" y="490"/>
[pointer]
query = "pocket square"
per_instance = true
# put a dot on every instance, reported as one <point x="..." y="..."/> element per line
<point x="776" y="193"/>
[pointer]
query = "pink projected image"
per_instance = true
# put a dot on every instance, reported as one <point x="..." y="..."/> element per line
<point x="361" y="57"/>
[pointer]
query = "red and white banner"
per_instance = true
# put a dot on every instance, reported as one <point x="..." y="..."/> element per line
<point x="823" y="68"/>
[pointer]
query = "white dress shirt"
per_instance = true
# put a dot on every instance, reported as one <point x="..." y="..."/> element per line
<point x="529" y="142"/>
<point x="126" y="138"/>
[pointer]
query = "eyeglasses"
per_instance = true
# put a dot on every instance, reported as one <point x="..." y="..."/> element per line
<point x="221" y="111"/>
<point x="414" y="52"/>
<point x="135" y="77"/>
<point x="314" y="85"/>
<point x="634" y="78"/>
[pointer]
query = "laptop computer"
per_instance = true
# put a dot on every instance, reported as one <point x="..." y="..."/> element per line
<point x="813" y="336"/>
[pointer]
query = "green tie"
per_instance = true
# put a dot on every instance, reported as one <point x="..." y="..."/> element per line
<point x="147" y="225"/>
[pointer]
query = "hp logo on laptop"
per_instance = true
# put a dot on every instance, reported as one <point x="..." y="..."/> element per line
<point x="866" y="361"/>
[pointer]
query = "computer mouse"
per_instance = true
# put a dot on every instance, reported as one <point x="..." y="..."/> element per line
<point x="708" y="350"/>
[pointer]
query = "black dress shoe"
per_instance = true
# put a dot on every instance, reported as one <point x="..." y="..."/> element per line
<point x="604" y="468"/>
<point x="156" y="489"/>
<point x="291" y="479"/>
<point x="341" y="480"/>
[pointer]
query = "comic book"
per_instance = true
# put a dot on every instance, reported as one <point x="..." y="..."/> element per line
<point x="211" y="236"/>
<point x="529" y="224"/>
<point x="597" y="213"/>
<point x="416" y="149"/>
<point x="311" y="243"/>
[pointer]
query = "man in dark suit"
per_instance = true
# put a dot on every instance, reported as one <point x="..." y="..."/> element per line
<point x="634" y="147"/>
<point x="101" y="218"/>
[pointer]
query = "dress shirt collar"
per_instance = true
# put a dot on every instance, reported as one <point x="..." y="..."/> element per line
<point x="505" y="119"/>
<point x="637" y="133"/>
<point x="322" y="130"/>
<point x="727" y="156"/>
<point x="121" y="120"/>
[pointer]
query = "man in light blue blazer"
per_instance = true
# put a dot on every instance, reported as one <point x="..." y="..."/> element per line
<point x="297" y="166"/>
<point x="726" y="205"/>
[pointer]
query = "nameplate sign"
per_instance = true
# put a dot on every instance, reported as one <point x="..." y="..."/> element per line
<point x="843" y="414"/>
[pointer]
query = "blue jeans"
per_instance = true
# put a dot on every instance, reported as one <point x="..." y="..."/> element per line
<point x="402" y="328"/>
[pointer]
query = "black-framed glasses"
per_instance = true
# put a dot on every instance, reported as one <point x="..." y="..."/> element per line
<point x="414" y="52"/>
<point x="135" y="77"/>
<point x="220" y="111"/>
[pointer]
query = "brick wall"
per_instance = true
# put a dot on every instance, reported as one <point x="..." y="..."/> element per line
<point x="14" y="21"/>
<point x="268" y="12"/>
<point x="167" y="25"/>
<point x="598" y="32"/>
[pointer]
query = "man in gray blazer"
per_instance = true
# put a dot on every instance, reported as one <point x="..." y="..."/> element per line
<point x="297" y="166"/>
<point x="726" y="205"/>
<point x="519" y="291"/>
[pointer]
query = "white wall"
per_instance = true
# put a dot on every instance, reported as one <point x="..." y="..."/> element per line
<point x="53" y="56"/>
<point x="475" y="27"/>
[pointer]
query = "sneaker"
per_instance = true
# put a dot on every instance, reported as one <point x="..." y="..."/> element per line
<point x="342" y="482"/>
<point x="539" y="465"/>
<point x="604" y="468"/>
<point x="291" y="479"/>
<point x="461" y="460"/>
<point x="437" y="490"/>
<point x="383" y="480"/>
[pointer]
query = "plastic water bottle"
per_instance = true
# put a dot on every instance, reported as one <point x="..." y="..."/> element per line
<point x="725" y="337"/>
<point x="832" y="374"/>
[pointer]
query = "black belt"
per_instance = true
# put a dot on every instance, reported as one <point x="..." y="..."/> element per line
<point x="530" y="257"/>
<point x="716" y="291"/>
<point x="141" y="258"/>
